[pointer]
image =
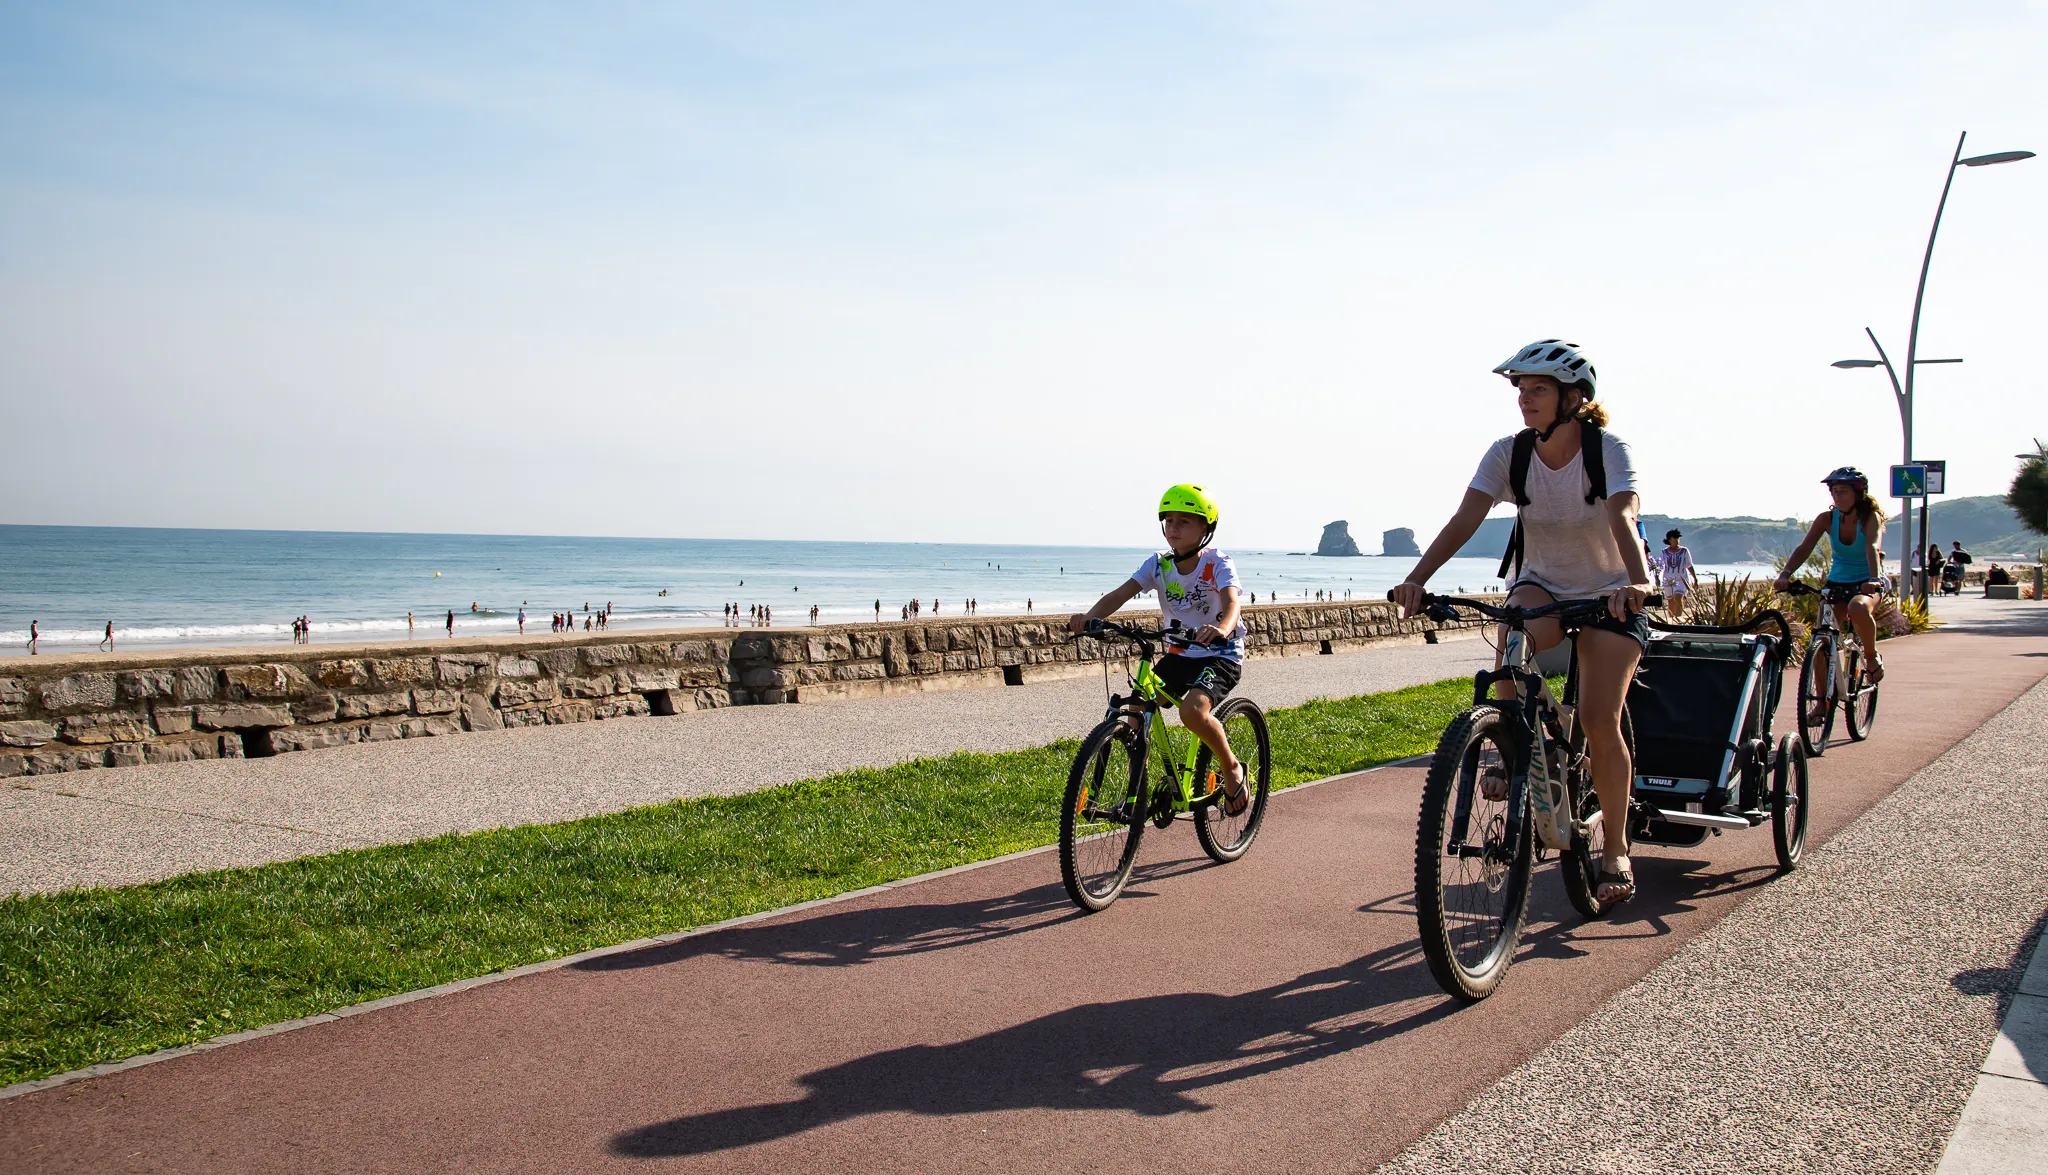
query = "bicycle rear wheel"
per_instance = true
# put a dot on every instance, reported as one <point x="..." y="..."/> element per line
<point x="1471" y="890"/>
<point x="1103" y="815"/>
<point x="1816" y="696"/>
<point x="1861" y="706"/>
<point x="1225" y="838"/>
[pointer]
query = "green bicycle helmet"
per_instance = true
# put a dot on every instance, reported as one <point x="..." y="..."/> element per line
<point x="1190" y="499"/>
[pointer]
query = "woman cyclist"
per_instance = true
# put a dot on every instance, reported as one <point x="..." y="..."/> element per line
<point x="1575" y="546"/>
<point x="1854" y="527"/>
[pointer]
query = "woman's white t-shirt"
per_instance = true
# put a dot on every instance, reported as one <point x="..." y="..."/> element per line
<point x="1568" y="548"/>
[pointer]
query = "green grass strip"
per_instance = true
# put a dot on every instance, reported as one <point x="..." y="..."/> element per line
<point x="94" y="975"/>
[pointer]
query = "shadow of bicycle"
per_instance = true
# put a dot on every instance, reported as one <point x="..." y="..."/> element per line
<point x="1150" y="1055"/>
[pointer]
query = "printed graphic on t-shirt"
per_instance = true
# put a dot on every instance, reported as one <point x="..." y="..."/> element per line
<point x="1194" y="598"/>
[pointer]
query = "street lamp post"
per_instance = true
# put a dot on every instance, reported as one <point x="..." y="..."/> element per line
<point x="1905" y="402"/>
<point x="1905" y="392"/>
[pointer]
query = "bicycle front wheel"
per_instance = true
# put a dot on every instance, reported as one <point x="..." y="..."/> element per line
<point x="1471" y="882"/>
<point x="1860" y="708"/>
<point x="1816" y="696"/>
<point x="1103" y="815"/>
<point x="1225" y="838"/>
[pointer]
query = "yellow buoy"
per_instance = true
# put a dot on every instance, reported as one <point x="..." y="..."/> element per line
<point x="437" y="575"/>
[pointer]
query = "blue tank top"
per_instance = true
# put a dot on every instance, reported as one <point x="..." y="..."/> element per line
<point x="1852" y="560"/>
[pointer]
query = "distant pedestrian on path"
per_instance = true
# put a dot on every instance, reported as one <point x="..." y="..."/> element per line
<point x="1674" y="568"/>
<point x="107" y="641"/>
<point x="522" y="620"/>
<point x="451" y="622"/>
<point x="878" y="611"/>
<point x="408" y="626"/>
<point x="33" y="636"/>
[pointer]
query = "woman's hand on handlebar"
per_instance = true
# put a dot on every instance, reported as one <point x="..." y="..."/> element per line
<point x="1628" y="601"/>
<point x="1409" y="596"/>
<point x="1783" y="583"/>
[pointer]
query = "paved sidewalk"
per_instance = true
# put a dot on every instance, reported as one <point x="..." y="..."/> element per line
<point x="2004" y="1128"/>
<point x="121" y="826"/>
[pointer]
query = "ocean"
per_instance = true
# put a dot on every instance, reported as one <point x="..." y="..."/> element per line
<point x="165" y="588"/>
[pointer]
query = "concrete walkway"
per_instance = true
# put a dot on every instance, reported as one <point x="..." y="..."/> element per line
<point x="119" y="827"/>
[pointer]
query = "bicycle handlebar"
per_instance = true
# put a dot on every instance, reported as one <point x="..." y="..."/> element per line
<point x="1444" y="608"/>
<point x="1097" y="628"/>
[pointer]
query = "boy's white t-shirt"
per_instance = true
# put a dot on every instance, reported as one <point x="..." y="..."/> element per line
<point x="1567" y="547"/>
<point x="1194" y="599"/>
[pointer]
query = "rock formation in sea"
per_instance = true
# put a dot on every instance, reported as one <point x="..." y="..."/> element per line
<point x="1337" y="540"/>
<point x="1399" y="541"/>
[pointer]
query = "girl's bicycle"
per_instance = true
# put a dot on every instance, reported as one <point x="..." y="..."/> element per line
<point x="1505" y="768"/>
<point x="1108" y="799"/>
<point x="1832" y="673"/>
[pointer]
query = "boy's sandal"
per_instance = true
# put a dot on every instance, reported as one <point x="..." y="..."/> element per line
<point x="1237" y="795"/>
<point x="1615" y="886"/>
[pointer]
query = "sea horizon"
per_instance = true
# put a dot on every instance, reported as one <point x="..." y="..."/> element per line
<point x="171" y="587"/>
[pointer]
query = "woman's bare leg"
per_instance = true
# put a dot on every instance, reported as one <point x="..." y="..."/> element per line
<point x="1607" y="663"/>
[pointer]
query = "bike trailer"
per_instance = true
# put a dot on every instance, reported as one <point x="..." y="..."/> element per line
<point x="1700" y="708"/>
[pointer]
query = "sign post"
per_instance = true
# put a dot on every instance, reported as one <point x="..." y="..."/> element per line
<point x="1910" y="482"/>
<point x="1936" y="482"/>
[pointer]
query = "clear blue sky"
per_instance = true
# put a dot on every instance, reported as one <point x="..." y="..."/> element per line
<point x="892" y="271"/>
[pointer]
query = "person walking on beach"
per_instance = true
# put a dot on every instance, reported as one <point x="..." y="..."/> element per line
<point x="33" y="637"/>
<point x="522" y="620"/>
<point x="107" y="641"/>
<point x="451" y="622"/>
<point x="878" y="611"/>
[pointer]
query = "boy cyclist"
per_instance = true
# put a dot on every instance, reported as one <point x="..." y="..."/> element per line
<point x="1197" y="586"/>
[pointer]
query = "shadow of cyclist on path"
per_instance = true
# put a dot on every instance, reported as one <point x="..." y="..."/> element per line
<point x="1150" y="1055"/>
<point x="845" y="938"/>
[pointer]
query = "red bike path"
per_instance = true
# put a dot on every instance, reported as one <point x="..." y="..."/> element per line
<point x="1274" y="1014"/>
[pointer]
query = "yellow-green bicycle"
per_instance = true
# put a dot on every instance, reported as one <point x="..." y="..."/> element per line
<point x="1108" y="801"/>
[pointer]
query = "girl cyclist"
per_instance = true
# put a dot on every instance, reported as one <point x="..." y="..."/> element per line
<point x="1575" y="545"/>
<point x="1855" y="530"/>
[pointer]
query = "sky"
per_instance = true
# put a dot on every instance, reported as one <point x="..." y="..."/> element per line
<point x="939" y="272"/>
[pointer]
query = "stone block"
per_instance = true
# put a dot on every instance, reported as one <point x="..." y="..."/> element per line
<point x="700" y="652"/>
<point x="895" y="656"/>
<point x="318" y="708"/>
<point x="172" y="719"/>
<point x="858" y="671"/>
<point x="239" y="717"/>
<point x="453" y="670"/>
<point x="267" y="682"/>
<point x="586" y="687"/>
<point x="230" y="746"/>
<point x="629" y="706"/>
<point x="54" y="762"/>
<point x="960" y="640"/>
<point x="26" y="734"/>
<point x="521" y="693"/>
<point x="312" y="738"/>
<point x="80" y="691"/>
<point x="597" y="658"/>
<point x="124" y="755"/>
<point x="558" y="662"/>
<point x="518" y="667"/>
<point x="562" y="713"/>
<point x="867" y="646"/>
<point x="348" y="674"/>
<point x="101" y="729"/>
<point x="141" y="685"/>
<point x="913" y="639"/>
<point x="710" y="699"/>
<point x="372" y="705"/>
<point x="755" y="679"/>
<point x="639" y="679"/>
<point x="382" y="732"/>
<point x="765" y="697"/>
<point x="176" y="751"/>
<point x="958" y="662"/>
<point x="479" y="714"/>
<point x="694" y="675"/>
<point x="403" y="671"/>
<point x="654" y="653"/>
<point x="439" y="724"/>
<point x="1005" y="636"/>
<point x="436" y="701"/>
<point x="753" y="648"/>
<point x="13" y="695"/>
<point x="13" y="765"/>
<point x="811" y="674"/>
<point x="514" y="718"/>
<point x="927" y="662"/>
<point x="196" y="683"/>
<point x="789" y="650"/>
<point x="830" y="647"/>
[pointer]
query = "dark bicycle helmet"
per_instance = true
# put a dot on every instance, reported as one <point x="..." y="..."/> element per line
<point x="1847" y="473"/>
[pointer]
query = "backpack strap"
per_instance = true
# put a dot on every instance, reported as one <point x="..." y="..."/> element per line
<point x="1518" y="485"/>
<point x="1592" y="455"/>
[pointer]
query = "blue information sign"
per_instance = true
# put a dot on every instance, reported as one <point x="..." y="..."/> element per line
<point x="1909" y="481"/>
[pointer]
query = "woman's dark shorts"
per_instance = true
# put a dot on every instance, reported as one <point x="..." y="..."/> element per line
<point x="1636" y="627"/>
<point x="1215" y="676"/>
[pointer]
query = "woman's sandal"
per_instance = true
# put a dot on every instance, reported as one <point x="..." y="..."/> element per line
<point x="1237" y="795"/>
<point x="1615" y="886"/>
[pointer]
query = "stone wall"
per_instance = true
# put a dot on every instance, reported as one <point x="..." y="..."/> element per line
<point x="77" y="711"/>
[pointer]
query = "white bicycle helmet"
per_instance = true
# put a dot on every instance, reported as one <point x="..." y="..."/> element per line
<point x="1555" y="358"/>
